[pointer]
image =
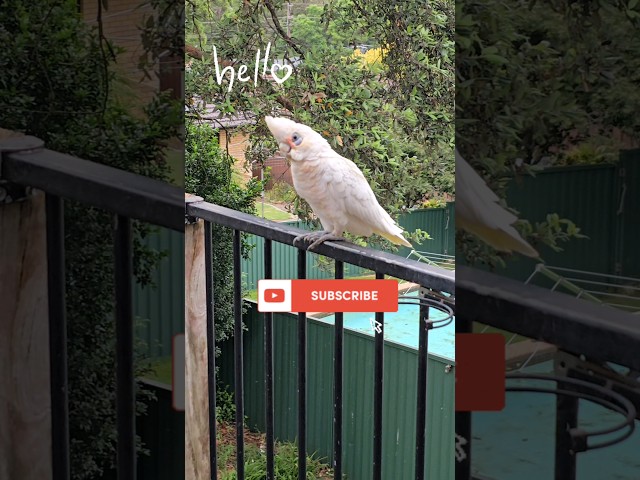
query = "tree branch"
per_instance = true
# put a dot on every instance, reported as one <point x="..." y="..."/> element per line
<point x="278" y="27"/>
<point x="193" y="52"/>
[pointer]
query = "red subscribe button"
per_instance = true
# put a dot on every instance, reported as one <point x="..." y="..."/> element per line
<point x="327" y="296"/>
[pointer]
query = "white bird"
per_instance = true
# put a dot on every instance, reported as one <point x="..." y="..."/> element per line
<point x="478" y="212"/>
<point x="332" y="185"/>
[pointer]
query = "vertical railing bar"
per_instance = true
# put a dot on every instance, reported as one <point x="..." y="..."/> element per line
<point x="302" y="377"/>
<point x="421" y="402"/>
<point x="57" y="338"/>
<point x="238" y="354"/>
<point x="337" y="383"/>
<point x="565" y="461"/>
<point x="211" y="348"/>
<point x="463" y="423"/>
<point x="378" y="389"/>
<point x="125" y="382"/>
<point x="268" y="367"/>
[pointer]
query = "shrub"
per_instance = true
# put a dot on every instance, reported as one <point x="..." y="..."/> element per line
<point x="55" y="83"/>
<point x="208" y="174"/>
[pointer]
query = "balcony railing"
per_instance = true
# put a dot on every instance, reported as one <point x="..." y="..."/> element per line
<point x="587" y="336"/>
<point x="25" y="163"/>
<point x="429" y="277"/>
<point x="588" y="333"/>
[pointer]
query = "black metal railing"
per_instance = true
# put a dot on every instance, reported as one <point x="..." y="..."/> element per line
<point x="24" y="162"/>
<point x="129" y="196"/>
<point x="587" y="336"/>
<point x="382" y="263"/>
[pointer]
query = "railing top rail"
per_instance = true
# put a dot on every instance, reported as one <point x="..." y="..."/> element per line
<point x="433" y="277"/>
<point x="572" y="324"/>
<point x="98" y="185"/>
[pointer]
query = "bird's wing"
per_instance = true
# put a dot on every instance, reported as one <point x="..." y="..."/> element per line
<point x="478" y="212"/>
<point x="360" y="202"/>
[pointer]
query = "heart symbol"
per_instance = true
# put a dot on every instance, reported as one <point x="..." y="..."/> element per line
<point x="275" y="67"/>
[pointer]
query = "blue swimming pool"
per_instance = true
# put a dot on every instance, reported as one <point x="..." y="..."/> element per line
<point x="518" y="442"/>
<point x="402" y="327"/>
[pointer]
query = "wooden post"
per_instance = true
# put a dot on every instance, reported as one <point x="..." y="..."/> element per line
<point x="197" y="466"/>
<point x="25" y="404"/>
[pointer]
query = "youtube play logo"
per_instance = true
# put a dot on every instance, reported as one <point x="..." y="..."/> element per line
<point x="272" y="295"/>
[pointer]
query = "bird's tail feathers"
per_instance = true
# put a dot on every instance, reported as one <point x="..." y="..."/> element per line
<point x="396" y="239"/>
<point x="506" y="240"/>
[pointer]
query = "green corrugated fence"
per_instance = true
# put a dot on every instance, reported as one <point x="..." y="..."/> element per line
<point x="585" y="195"/>
<point x="601" y="200"/>
<point x="627" y="206"/>
<point x="400" y="367"/>
<point x="160" y="307"/>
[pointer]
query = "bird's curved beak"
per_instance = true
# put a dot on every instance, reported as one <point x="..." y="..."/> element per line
<point x="281" y="130"/>
<point x="278" y="128"/>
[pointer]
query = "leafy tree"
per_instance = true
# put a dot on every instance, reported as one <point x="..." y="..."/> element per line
<point x="396" y="122"/>
<point x="550" y="81"/>
<point x="309" y="29"/>
<point x="406" y="154"/>
<point x="55" y="83"/>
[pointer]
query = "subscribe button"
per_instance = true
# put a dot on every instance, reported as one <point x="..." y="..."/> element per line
<point x="327" y="296"/>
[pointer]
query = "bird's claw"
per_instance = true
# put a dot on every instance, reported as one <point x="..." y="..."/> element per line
<point x="317" y="238"/>
<point x="325" y="238"/>
<point x="307" y="237"/>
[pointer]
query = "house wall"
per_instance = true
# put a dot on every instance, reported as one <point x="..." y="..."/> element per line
<point x="121" y="24"/>
<point x="237" y="143"/>
<point x="279" y="169"/>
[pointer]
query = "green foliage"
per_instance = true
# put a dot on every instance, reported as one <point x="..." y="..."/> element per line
<point x="272" y="213"/>
<point x="285" y="464"/>
<point x="55" y="79"/>
<point x="162" y="33"/>
<point x="309" y="29"/>
<point x="434" y="203"/>
<point x="556" y="230"/>
<point x="544" y="80"/>
<point x="395" y="124"/>
<point x="281" y="192"/>
<point x="225" y="405"/>
<point x="161" y="370"/>
<point x="589" y="153"/>
<point x="225" y="452"/>
<point x="208" y="174"/>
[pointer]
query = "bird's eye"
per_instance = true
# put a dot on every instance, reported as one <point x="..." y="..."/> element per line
<point x="297" y="139"/>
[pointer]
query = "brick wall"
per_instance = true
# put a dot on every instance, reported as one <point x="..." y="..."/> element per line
<point x="280" y="172"/>
<point x="237" y="143"/>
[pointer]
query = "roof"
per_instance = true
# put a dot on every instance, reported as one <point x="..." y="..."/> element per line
<point x="218" y="119"/>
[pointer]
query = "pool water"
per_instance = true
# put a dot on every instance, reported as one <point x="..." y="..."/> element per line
<point x="518" y="442"/>
<point x="402" y="327"/>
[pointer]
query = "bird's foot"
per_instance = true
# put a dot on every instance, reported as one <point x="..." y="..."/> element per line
<point x="308" y="237"/>
<point x="317" y="238"/>
<point x="327" y="237"/>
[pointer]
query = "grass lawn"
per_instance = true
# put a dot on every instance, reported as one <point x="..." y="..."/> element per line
<point x="161" y="370"/>
<point x="273" y="213"/>
<point x="285" y="459"/>
<point x="175" y="159"/>
<point x="251" y="295"/>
